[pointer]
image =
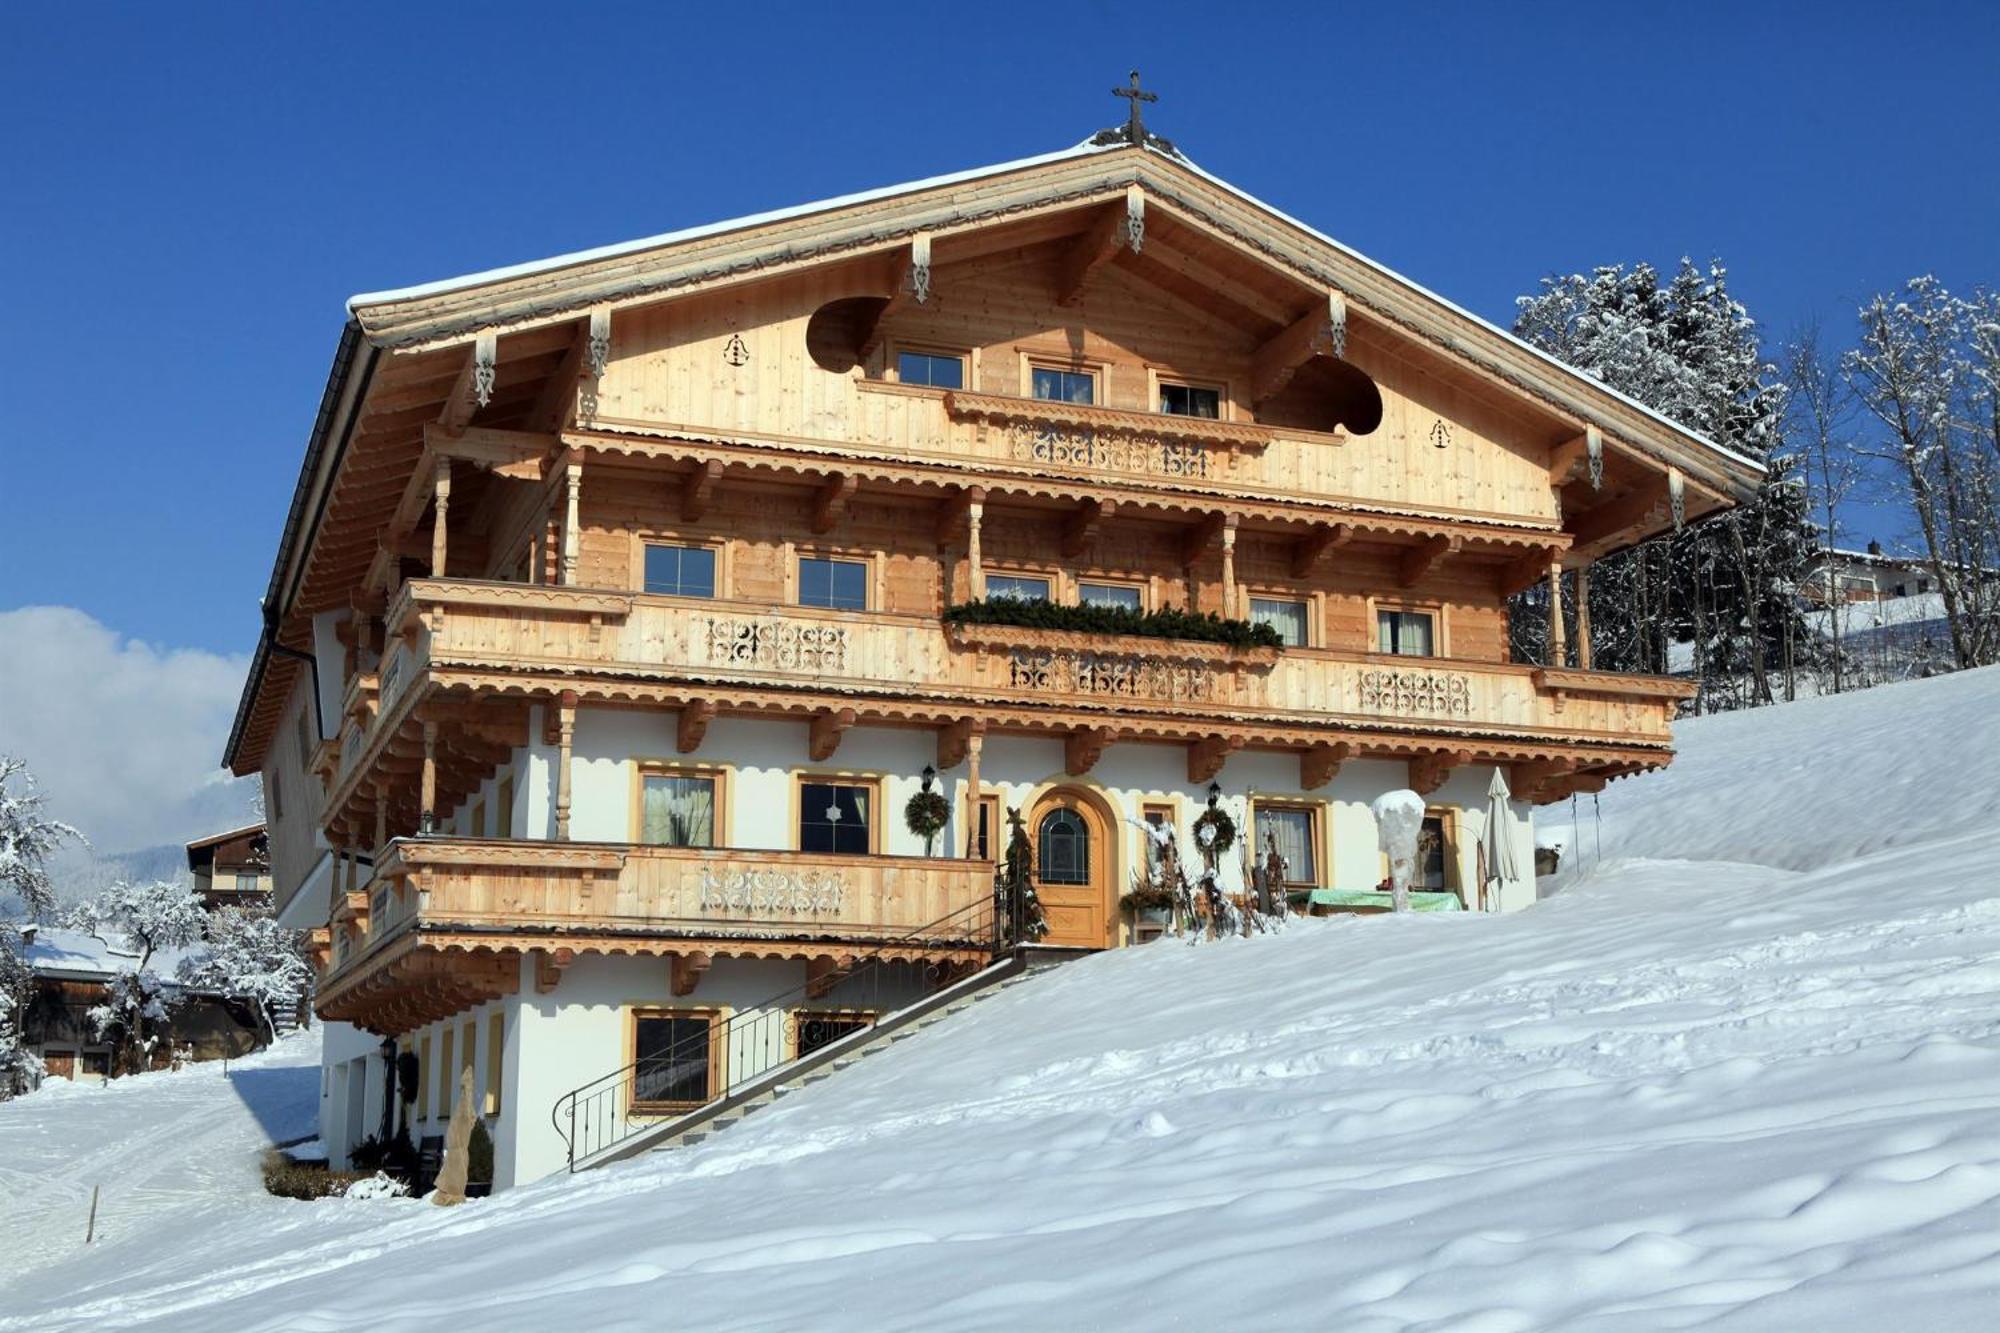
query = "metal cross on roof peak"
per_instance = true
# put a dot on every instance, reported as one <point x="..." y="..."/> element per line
<point x="1135" y="127"/>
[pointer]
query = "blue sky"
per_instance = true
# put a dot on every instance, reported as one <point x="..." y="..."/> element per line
<point x="192" y="191"/>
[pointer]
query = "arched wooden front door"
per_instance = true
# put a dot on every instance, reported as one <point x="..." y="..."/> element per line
<point x="1073" y="869"/>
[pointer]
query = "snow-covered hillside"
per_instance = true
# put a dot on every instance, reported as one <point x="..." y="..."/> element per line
<point x="1751" y="1082"/>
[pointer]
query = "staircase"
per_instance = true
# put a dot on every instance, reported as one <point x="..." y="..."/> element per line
<point x="606" y="1120"/>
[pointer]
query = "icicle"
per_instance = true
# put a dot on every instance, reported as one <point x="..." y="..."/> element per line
<point x="1677" y="497"/>
<point x="1593" y="448"/>
<point x="485" y="355"/>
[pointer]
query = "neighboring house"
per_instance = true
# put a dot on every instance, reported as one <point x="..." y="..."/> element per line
<point x="232" y="869"/>
<point x="72" y="970"/>
<point x="606" y="642"/>
<point x="1841" y="575"/>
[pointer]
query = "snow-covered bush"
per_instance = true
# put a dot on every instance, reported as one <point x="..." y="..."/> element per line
<point x="27" y="839"/>
<point x="251" y="957"/>
<point x="378" y="1186"/>
<point x="1399" y="820"/>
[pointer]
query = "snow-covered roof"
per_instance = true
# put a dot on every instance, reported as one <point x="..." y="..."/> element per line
<point x="77" y="955"/>
<point x="1087" y="148"/>
<point x="214" y="838"/>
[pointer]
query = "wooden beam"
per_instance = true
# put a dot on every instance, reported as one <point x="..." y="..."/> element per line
<point x="1565" y="456"/>
<point x="687" y="969"/>
<point x="1638" y="507"/>
<point x="523" y="455"/>
<point x="549" y="966"/>
<point x="1428" y="772"/>
<point x="828" y="726"/>
<point x="557" y="400"/>
<point x="698" y="488"/>
<point x="831" y="502"/>
<point x="909" y="286"/>
<point x="1084" y="523"/>
<point x="953" y="514"/>
<point x="1202" y="536"/>
<point x="1083" y="748"/>
<point x="1528" y="570"/>
<point x="825" y="972"/>
<point x="1420" y="560"/>
<point x="954" y="740"/>
<point x="1309" y="549"/>
<point x="1321" y="331"/>
<point x="1206" y="757"/>
<point x="693" y="726"/>
<point x="458" y="400"/>
<point x="1099" y="243"/>
<point x="1318" y="765"/>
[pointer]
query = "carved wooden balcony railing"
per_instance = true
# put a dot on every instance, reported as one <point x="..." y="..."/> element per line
<point x="505" y="897"/>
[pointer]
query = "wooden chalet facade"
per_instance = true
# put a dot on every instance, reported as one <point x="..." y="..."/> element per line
<point x="605" y="642"/>
<point x="232" y="869"/>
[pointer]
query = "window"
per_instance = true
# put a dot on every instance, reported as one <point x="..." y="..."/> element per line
<point x="496" y="1038"/>
<point x="445" y="1072"/>
<point x="423" y="1078"/>
<point x="1289" y="618"/>
<point x="680" y="571"/>
<point x="836" y="817"/>
<point x="1185" y="400"/>
<point x="1157" y="813"/>
<point x="928" y="368"/>
<point x="1064" y="386"/>
<point x="984" y="842"/>
<point x="1293" y="831"/>
<point x="476" y="825"/>
<point x="1064" y="850"/>
<point x="1020" y="587"/>
<point x="677" y="810"/>
<point x="840" y="585"/>
<point x="1108" y="594"/>
<point x="675" y="1059"/>
<point x="503" y="809"/>
<point x="245" y="883"/>
<point x="1434" y="855"/>
<point x="1404" y="633"/>
<point x="815" y="1030"/>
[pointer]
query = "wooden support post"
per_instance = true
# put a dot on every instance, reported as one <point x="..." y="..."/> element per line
<point x="1229" y="566"/>
<point x="427" y="812"/>
<point x="573" y="486"/>
<point x="381" y="819"/>
<point x="1583" y="618"/>
<point x="441" y="493"/>
<point x="974" y="743"/>
<point x="565" y="739"/>
<point x="975" y="571"/>
<point x="1558" y="653"/>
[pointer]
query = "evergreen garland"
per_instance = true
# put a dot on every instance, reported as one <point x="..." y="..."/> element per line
<point x="1200" y="626"/>
<point x="926" y="814"/>
<point x="1224" y="835"/>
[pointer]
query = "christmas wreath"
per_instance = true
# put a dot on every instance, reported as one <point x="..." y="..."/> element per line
<point x="926" y="815"/>
<point x="1215" y="831"/>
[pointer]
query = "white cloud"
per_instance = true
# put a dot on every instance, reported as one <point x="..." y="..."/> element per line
<point x="125" y="739"/>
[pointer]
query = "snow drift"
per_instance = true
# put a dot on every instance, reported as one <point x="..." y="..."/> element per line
<point x="1747" y="1082"/>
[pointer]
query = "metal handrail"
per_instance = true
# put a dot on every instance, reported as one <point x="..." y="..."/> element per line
<point x="609" y="1110"/>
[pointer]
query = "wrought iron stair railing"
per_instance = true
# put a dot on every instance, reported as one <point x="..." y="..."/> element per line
<point x="698" y="1073"/>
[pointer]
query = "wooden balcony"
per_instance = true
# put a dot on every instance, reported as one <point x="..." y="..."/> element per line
<point x="462" y="628"/>
<point x="491" y="901"/>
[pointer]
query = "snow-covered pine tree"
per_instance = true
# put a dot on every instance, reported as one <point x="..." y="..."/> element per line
<point x="1688" y="349"/>
<point x="27" y="839"/>
<point x="251" y="957"/>
<point x="145" y="918"/>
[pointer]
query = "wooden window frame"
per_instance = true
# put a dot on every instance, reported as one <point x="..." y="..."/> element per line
<point x="1141" y="586"/>
<point x="1172" y="807"/>
<point x="1314" y="603"/>
<point x="1453" y="881"/>
<point x="1156" y="379"/>
<point x="1435" y="609"/>
<point x="990" y="802"/>
<point x="672" y="537"/>
<point x="1053" y="576"/>
<point x="1099" y="372"/>
<point x="842" y="777"/>
<point x="1315" y="812"/>
<point x="801" y="1013"/>
<point x="645" y="766"/>
<point x="475" y="819"/>
<point x="718" y="1063"/>
<point x="872" y="563"/>
<point x="496" y="1045"/>
<point x="503" y="803"/>
<point x="968" y="357"/>
<point x="468" y="1057"/>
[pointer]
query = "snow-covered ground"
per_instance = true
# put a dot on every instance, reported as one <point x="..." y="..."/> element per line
<point x="1751" y="1081"/>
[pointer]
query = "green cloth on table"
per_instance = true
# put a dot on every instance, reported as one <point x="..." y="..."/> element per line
<point x="1420" y="900"/>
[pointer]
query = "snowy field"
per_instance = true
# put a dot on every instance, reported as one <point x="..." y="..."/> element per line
<point x="1743" y="1072"/>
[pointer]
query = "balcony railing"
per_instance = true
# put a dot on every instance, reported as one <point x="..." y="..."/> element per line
<point x="593" y="633"/>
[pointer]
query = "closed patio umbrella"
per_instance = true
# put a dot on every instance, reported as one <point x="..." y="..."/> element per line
<point x="1498" y="844"/>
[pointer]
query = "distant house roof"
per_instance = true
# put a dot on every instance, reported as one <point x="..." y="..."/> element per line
<point x="254" y="849"/>
<point x="63" y="954"/>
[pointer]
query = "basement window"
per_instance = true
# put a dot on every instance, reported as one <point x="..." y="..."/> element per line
<point x="815" y="1030"/>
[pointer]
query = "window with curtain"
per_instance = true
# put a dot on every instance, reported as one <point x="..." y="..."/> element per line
<point x="1020" y="587"/>
<point x="1063" y="850"/>
<point x="1064" y="386"/>
<point x="840" y="585"/>
<point x="1290" y="829"/>
<point x="1404" y="633"/>
<point x="1286" y="617"/>
<point x="680" y="571"/>
<point x="1108" y="594"/>
<point x="1187" y="400"/>
<point x="677" y="810"/>
<point x="673" y="1060"/>
<point x="834" y="817"/>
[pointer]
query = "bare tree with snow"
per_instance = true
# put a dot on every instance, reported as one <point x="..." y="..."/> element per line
<point x="1818" y="412"/>
<point x="27" y="839"/>
<point x="146" y="918"/>
<point x="251" y="957"/>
